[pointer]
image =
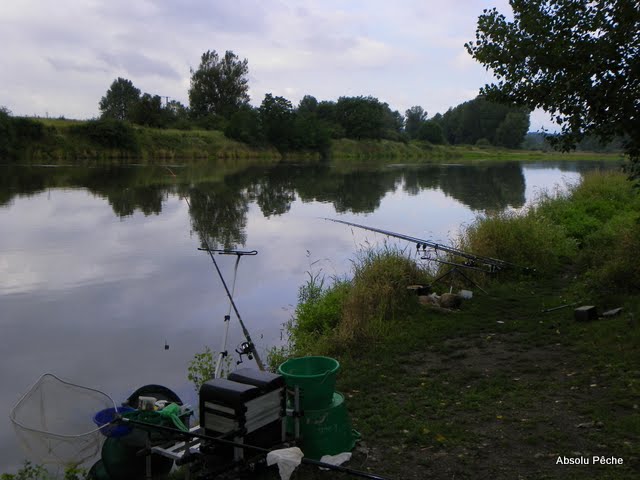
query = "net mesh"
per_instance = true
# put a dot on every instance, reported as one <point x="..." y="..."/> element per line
<point x="54" y="421"/>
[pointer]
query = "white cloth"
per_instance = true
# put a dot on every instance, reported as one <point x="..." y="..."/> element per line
<point x="287" y="459"/>
<point x="338" y="459"/>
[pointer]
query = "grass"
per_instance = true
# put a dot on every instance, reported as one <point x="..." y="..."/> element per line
<point x="500" y="388"/>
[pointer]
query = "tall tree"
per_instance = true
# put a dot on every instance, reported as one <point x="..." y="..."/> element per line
<point x="276" y="118"/>
<point x="578" y="60"/>
<point x="219" y="86"/>
<point x="431" y="131"/>
<point x="149" y="111"/>
<point x="120" y="99"/>
<point x="413" y="120"/>
<point x="480" y="119"/>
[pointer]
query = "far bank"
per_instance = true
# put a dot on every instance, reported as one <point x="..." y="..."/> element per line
<point x="55" y="141"/>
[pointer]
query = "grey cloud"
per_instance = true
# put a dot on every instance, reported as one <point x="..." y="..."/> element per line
<point x="139" y="64"/>
<point x="64" y="65"/>
<point x="241" y="16"/>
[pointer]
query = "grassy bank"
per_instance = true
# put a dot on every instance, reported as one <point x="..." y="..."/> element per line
<point x="58" y="140"/>
<point x="502" y="387"/>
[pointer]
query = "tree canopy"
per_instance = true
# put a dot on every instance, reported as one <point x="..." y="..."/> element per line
<point x="120" y="100"/>
<point x="578" y="60"/>
<point x="219" y="86"/>
<point x="479" y="119"/>
<point x="413" y="120"/>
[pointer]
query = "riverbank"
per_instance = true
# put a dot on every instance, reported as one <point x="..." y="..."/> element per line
<point x="506" y="385"/>
<point x="58" y="141"/>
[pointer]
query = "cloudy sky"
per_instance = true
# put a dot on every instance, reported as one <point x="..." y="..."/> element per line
<point x="59" y="58"/>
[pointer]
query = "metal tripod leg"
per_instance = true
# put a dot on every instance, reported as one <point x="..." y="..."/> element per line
<point x="459" y="272"/>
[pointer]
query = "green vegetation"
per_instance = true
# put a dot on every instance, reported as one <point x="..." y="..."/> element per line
<point x="591" y="91"/>
<point x="61" y="140"/>
<point x="500" y="388"/>
<point x="29" y="471"/>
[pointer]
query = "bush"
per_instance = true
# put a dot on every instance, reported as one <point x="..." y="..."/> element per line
<point x="108" y="133"/>
<point x="27" y="130"/>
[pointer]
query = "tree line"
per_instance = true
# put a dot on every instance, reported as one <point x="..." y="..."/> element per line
<point x="219" y="100"/>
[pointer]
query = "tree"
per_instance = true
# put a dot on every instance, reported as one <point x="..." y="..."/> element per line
<point x="414" y="118"/>
<point x="149" y="111"/>
<point x="578" y="60"/>
<point x="478" y="118"/>
<point x="276" y="118"/>
<point x="431" y="131"/>
<point x="120" y="99"/>
<point x="512" y="130"/>
<point x="219" y="86"/>
<point x="308" y="104"/>
<point x="361" y="117"/>
<point x="7" y="133"/>
<point x="244" y="126"/>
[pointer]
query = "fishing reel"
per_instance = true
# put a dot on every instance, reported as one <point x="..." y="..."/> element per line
<point x="245" y="348"/>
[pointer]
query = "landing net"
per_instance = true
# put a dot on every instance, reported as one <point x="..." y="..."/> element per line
<point x="54" y="421"/>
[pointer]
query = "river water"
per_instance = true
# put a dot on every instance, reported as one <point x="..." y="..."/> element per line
<point x="100" y="267"/>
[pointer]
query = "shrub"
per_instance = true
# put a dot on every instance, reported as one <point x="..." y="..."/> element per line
<point x="108" y="133"/>
<point x="27" y="130"/>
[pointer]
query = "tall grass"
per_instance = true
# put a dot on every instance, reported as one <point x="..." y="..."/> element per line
<point x="592" y="231"/>
<point x="526" y="239"/>
<point x="333" y="316"/>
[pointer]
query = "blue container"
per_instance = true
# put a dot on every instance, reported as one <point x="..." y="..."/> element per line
<point x="104" y="417"/>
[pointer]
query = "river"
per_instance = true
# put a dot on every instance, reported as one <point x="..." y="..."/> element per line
<point x="100" y="268"/>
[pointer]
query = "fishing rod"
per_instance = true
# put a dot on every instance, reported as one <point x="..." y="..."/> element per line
<point x="248" y="347"/>
<point x="227" y="318"/>
<point x="221" y="441"/>
<point x="493" y="264"/>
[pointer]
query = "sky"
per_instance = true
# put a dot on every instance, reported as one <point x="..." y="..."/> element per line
<point x="59" y="58"/>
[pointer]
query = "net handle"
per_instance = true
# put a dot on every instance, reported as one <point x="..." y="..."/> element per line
<point x="14" y="420"/>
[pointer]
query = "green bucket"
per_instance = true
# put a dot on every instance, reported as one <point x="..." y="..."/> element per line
<point x="327" y="431"/>
<point x="315" y="377"/>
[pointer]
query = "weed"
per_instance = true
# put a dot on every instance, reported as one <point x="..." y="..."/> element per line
<point x="203" y="366"/>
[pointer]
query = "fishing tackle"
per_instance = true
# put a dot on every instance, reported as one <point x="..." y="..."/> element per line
<point x="488" y="264"/>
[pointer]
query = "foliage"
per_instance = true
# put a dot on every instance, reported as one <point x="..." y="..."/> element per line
<point x="431" y="131"/>
<point x="591" y="230"/>
<point x="244" y="126"/>
<point x="319" y="310"/>
<point x="276" y="119"/>
<point x="501" y="125"/>
<point x="109" y="133"/>
<point x="202" y="367"/>
<point x="7" y="132"/>
<point x="29" y="471"/>
<point x="120" y="99"/>
<point x="414" y="118"/>
<point x="148" y="111"/>
<point x="219" y="85"/>
<point x="367" y="117"/>
<point x="577" y="60"/>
